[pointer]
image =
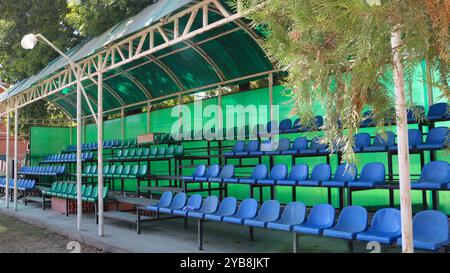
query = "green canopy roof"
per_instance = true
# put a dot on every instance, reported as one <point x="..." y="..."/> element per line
<point x="220" y="55"/>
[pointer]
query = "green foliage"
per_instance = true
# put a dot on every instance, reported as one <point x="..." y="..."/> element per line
<point x="338" y="53"/>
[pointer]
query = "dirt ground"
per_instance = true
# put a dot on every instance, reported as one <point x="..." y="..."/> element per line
<point x="18" y="237"/>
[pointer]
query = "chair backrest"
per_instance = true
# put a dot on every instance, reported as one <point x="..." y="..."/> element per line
<point x="227" y="207"/>
<point x="373" y="172"/>
<point x="199" y="171"/>
<point x="125" y="153"/>
<point x="352" y="219"/>
<point x="322" y="215"/>
<point x="93" y="169"/>
<point x="285" y="124"/>
<point x="112" y="169"/>
<point x="379" y="140"/>
<point x="194" y="201"/>
<point x="300" y="143"/>
<point x="170" y="150"/>
<point x="179" y="150"/>
<point x="431" y="226"/>
<point x="143" y="169"/>
<point x="413" y="113"/>
<point x="227" y="171"/>
<point x="438" y="110"/>
<point x="316" y="145"/>
<point x="269" y="211"/>
<point x="436" y="171"/>
<point x="345" y="173"/>
<point x="437" y="135"/>
<point x="259" y="172"/>
<point x="278" y="172"/>
<point x="153" y="151"/>
<point x="134" y="170"/>
<point x="247" y="209"/>
<point x="361" y="140"/>
<point x="118" y="170"/>
<point x="166" y="199"/>
<point x="284" y="144"/>
<point x="299" y="172"/>
<point x="294" y="213"/>
<point x="210" y="204"/>
<point x="386" y="220"/>
<point x="145" y="152"/>
<point x="179" y="201"/>
<point x="213" y="171"/>
<point x="239" y="146"/>
<point x="126" y="170"/>
<point x="253" y="146"/>
<point x="321" y="172"/>
<point x="414" y="137"/>
<point x="319" y="121"/>
<point x="161" y="151"/>
<point x="138" y="152"/>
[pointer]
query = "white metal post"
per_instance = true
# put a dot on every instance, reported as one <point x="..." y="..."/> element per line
<point x="403" y="146"/>
<point x="8" y="120"/>
<point x="79" y="141"/>
<point x="122" y="123"/>
<point x="271" y="95"/>
<point x="100" y="152"/>
<point x="16" y="157"/>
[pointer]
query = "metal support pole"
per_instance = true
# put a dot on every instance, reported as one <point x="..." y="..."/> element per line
<point x="271" y="95"/>
<point x="100" y="152"/>
<point x="219" y="129"/>
<point x="16" y="157"/>
<point x="8" y="120"/>
<point x="79" y="141"/>
<point x="149" y="107"/>
<point x="294" y="242"/>
<point x="403" y="146"/>
<point x="122" y="123"/>
<point x="179" y="111"/>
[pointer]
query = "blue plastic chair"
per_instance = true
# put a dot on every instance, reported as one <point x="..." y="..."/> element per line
<point x="212" y="171"/>
<point x="283" y="145"/>
<point x="238" y="147"/>
<point x="321" y="172"/>
<point x="299" y="144"/>
<point x="381" y="144"/>
<point x="438" y="111"/>
<point x="372" y="174"/>
<point x="209" y="206"/>
<point x="435" y="175"/>
<point x="298" y="172"/>
<point x="320" y="217"/>
<point x="278" y="172"/>
<point x="259" y="172"/>
<point x="178" y="202"/>
<point x="253" y="148"/>
<point x="226" y="172"/>
<point x="293" y="214"/>
<point x="199" y="171"/>
<point x="414" y="139"/>
<point x="194" y="202"/>
<point x="436" y="139"/>
<point x="412" y="116"/>
<point x="246" y="210"/>
<point x="430" y="230"/>
<point x="269" y="212"/>
<point x="285" y="125"/>
<point x="362" y="140"/>
<point x="227" y="207"/>
<point x="351" y="221"/>
<point x="385" y="227"/>
<point x="164" y="202"/>
<point x="367" y="119"/>
<point x="316" y="148"/>
<point x="342" y="176"/>
<point x="295" y="127"/>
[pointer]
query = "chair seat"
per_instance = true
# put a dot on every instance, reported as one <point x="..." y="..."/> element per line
<point x="255" y="153"/>
<point x="375" y="149"/>
<point x="279" y="226"/>
<point x="228" y="154"/>
<point x="152" y="208"/>
<point x="335" y="184"/>
<point x="215" y="179"/>
<point x="234" y="220"/>
<point x="199" y="214"/>
<point x="286" y="182"/>
<point x="290" y="152"/>
<point x="230" y="180"/>
<point x="430" y="146"/>
<point x="241" y="153"/>
<point x="213" y="217"/>
<point x="425" y="245"/>
<point x="309" y="183"/>
<point x="365" y="184"/>
<point x="165" y="210"/>
<point x="309" y="229"/>
<point x="188" y="178"/>
<point x="201" y="179"/>
<point x="272" y="153"/>
<point x="428" y="185"/>
<point x="180" y="212"/>
<point x="342" y="234"/>
<point x="247" y="181"/>
<point x="255" y="223"/>
<point x="266" y="182"/>
<point x="290" y="130"/>
<point x="381" y="237"/>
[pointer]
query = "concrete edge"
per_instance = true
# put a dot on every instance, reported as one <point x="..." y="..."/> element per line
<point x="92" y="241"/>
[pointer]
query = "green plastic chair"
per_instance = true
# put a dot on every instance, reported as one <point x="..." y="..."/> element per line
<point x="133" y="172"/>
<point x="73" y="194"/>
<point x="52" y="189"/>
<point x="87" y="192"/>
<point x="153" y="152"/>
<point x="61" y="191"/>
<point x="138" y="153"/>
<point x="126" y="143"/>
<point x="111" y="171"/>
<point x="179" y="151"/>
<point x="92" y="172"/>
<point x="133" y="142"/>
<point x="118" y="171"/>
<point x="73" y="190"/>
<point x="161" y="152"/>
<point x="125" y="172"/>
<point x="131" y="154"/>
<point x="170" y="151"/>
<point x="145" y="153"/>
<point x="124" y="154"/>
<point x="119" y="154"/>
<point x="142" y="171"/>
<point x="92" y="196"/>
<point x="86" y="170"/>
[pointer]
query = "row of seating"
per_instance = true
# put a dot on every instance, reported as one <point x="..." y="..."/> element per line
<point x="68" y="158"/>
<point x="42" y="170"/>
<point x="69" y="191"/>
<point x="149" y="153"/>
<point x="436" y="139"/>
<point x="107" y="144"/>
<point x="22" y="184"/>
<point x="435" y="175"/>
<point x="117" y="171"/>
<point x="431" y="228"/>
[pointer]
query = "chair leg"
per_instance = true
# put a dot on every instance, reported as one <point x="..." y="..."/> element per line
<point x="350" y="246"/>
<point x="294" y="193"/>
<point x="185" y="222"/>
<point x="200" y="234"/>
<point x="67" y="207"/>
<point x="251" y="233"/>
<point x="95" y="212"/>
<point x="138" y="222"/>
<point x="294" y="242"/>
<point x="424" y="200"/>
